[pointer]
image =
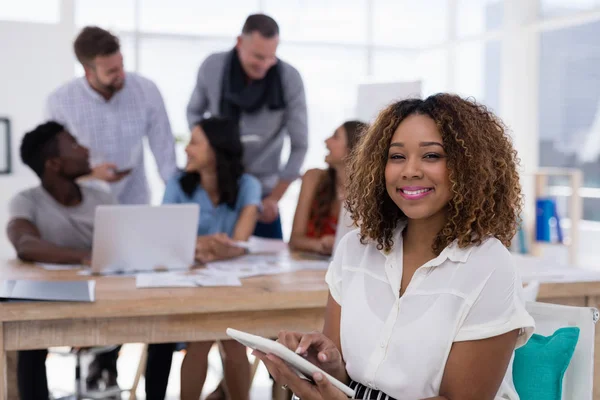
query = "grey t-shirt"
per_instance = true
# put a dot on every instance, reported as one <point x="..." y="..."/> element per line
<point x="62" y="226"/>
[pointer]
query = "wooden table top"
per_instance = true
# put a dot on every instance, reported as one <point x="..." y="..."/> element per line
<point x="117" y="296"/>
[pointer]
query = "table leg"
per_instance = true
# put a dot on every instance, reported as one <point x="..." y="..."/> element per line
<point x="3" y="380"/>
<point x="11" y="375"/>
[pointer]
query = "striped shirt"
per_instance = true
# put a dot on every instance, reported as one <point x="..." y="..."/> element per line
<point x="114" y="130"/>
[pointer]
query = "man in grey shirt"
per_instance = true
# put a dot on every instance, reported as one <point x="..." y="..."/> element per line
<point x="52" y="223"/>
<point x="266" y="95"/>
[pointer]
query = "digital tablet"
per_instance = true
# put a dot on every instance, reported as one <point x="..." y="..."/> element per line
<point x="297" y="362"/>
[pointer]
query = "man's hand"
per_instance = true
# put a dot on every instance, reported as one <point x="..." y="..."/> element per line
<point x="270" y="210"/>
<point x="108" y="172"/>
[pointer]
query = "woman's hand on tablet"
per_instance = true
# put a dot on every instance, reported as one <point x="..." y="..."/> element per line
<point x="318" y="349"/>
<point x="322" y="389"/>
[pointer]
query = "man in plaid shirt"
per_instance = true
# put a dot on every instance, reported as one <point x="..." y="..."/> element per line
<point x="111" y="112"/>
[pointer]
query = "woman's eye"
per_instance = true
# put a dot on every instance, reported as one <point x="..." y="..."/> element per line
<point x="396" y="157"/>
<point x="432" y="156"/>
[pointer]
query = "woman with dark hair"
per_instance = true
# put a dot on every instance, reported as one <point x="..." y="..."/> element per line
<point x="425" y="299"/>
<point x="229" y="206"/>
<point x="322" y="194"/>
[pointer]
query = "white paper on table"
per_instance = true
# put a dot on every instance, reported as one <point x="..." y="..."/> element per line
<point x="310" y="265"/>
<point x="59" y="267"/>
<point x="165" y="280"/>
<point x="218" y="280"/>
<point x="243" y="269"/>
<point x="261" y="245"/>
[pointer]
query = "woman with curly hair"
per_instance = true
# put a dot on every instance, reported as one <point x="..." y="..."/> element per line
<point x="322" y="194"/>
<point x="229" y="204"/>
<point x="424" y="297"/>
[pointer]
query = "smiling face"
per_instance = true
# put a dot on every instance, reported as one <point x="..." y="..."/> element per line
<point x="107" y="73"/>
<point x="337" y="145"/>
<point x="199" y="152"/>
<point x="416" y="172"/>
<point x="257" y="54"/>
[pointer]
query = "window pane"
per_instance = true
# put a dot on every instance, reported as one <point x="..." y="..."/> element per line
<point x="108" y="14"/>
<point x="558" y="8"/>
<point x="44" y="11"/>
<point x="331" y="76"/>
<point x="173" y="65"/>
<point x="409" y="23"/>
<point x="477" y="72"/>
<point x="429" y="67"/>
<point x="478" y="16"/>
<point x="222" y="18"/>
<point x="337" y="21"/>
<point x="569" y="108"/>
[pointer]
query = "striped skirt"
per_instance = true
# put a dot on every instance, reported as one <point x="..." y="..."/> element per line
<point x="363" y="392"/>
<point x="366" y="393"/>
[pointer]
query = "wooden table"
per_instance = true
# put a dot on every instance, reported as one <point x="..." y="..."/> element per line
<point x="263" y="305"/>
<point x="123" y="314"/>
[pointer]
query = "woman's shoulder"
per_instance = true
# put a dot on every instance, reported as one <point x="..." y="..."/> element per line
<point x="314" y="174"/>
<point x="492" y="256"/>
<point x="176" y="176"/>
<point x="250" y="181"/>
<point x="312" y="177"/>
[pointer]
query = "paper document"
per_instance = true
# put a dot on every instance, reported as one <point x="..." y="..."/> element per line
<point x="186" y="279"/>
<point x="217" y="280"/>
<point x="164" y="280"/>
<point x="262" y="245"/>
<point x="60" y="267"/>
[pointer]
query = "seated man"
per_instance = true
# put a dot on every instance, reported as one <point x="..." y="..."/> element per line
<point x="52" y="222"/>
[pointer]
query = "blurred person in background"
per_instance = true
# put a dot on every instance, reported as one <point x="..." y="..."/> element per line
<point x="322" y="194"/>
<point x="111" y="112"/>
<point x="251" y="85"/>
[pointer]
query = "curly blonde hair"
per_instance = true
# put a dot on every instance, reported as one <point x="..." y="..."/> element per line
<point x="482" y="167"/>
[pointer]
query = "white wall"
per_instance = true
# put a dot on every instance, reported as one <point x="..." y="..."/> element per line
<point x="36" y="58"/>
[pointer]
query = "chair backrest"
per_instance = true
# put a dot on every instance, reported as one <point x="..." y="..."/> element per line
<point x="345" y="225"/>
<point x="530" y="291"/>
<point x="579" y="378"/>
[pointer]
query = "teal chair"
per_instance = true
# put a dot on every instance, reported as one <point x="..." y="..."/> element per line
<point x="578" y="378"/>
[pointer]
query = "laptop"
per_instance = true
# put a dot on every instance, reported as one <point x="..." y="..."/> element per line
<point x="132" y="238"/>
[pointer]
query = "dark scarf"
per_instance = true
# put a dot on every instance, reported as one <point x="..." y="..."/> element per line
<point x="237" y="95"/>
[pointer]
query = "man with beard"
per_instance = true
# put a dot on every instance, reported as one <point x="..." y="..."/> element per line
<point x="110" y="112"/>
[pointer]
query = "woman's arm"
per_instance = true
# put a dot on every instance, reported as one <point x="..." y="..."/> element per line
<point x="475" y="369"/>
<point x="298" y="239"/>
<point x="246" y="223"/>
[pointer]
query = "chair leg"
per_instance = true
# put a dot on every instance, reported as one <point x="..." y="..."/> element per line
<point x="140" y="371"/>
<point x="12" y="388"/>
<point x="78" y="381"/>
